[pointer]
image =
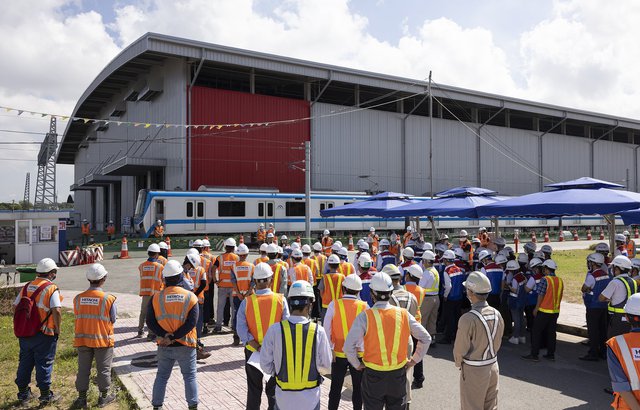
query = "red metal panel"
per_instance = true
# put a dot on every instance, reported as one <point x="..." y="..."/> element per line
<point x="256" y="157"/>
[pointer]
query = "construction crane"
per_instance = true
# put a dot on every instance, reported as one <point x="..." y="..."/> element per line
<point x="27" y="191"/>
<point x="46" y="182"/>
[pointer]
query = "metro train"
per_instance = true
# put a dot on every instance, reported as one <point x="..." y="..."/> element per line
<point x="210" y="211"/>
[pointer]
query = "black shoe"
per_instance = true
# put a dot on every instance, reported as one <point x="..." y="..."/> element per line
<point x="205" y="330"/>
<point x="608" y="390"/>
<point x="80" y="403"/>
<point x="530" y="358"/>
<point x="140" y="334"/>
<point x="416" y="385"/>
<point x="551" y="357"/>
<point x="589" y="358"/>
<point x="236" y="340"/>
<point x="48" y="399"/>
<point x="104" y="400"/>
<point x="25" y="398"/>
<point x="585" y="342"/>
<point x="217" y="329"/>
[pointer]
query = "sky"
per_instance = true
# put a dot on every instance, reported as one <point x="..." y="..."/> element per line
<point x="576" y="53"/>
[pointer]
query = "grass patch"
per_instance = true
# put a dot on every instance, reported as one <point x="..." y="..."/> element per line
<point x="572" y="268"/>
<point x="64" y="370"/>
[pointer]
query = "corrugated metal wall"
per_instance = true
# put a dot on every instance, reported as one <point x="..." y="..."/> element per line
<point x="251" y="156"/>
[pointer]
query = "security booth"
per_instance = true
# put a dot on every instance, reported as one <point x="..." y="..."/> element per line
<point x="28" y="236"/>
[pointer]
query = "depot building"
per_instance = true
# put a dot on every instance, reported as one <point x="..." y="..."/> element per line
<point x="162" y="101"/>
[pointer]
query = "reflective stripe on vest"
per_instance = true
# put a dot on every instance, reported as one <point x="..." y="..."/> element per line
<point x="253" y="306"/>
<point x="377" y="355"/>
<point x="170" y="318"/>
<point x="343" y="320"/>
<point x="150" y="278"/>
<point x="553" y="295"/>
<point x="334" y="289"/>
<point x="619" y="308"/>
<point x="435" y="286"/>
<point x="276" y="282"/>
<point x="43" y="301"/>
<point x="418" y="292"/>
<point x="298" y="370"/>
<point x="93" y="327"/>
<point x="489" y="356"/>
<point x="321" y="260"/>
<point x="227" y="263"/>
<point x="244" y="275"/>
<point x="349" y="268"/>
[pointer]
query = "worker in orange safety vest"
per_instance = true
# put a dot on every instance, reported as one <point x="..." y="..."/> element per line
<point x="327" y="242"/>
<point x="150" y="284"/>
<point x="86" y="231"/>
<point x="158" y="230"/>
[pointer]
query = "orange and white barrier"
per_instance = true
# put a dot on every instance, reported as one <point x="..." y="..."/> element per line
<point x="601" y="234"/>
<point x="589" y="236"/>
<point x="124" y="249"/>
<point x="546" y="235"/>
<point x="69" y="258"/>
<point x="575" y="235"/>
<point x="168" y="242"/>
<point x="241" y="238"/>
<point x="533" y="237"/>
<point x="561" y="236"/>
<point x="351" y="247"/>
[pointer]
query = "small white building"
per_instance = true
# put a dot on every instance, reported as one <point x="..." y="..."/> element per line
<point x="28" y="236"/>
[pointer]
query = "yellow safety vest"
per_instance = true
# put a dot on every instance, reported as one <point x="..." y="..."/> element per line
<point x="298" y="370"/>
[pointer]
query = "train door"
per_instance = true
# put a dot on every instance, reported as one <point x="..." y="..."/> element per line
<point x="328" y="222"/>
<point x="195" y="211"/>
<point x="266" y="212"/>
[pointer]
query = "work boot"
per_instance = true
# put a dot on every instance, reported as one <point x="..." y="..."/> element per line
<point x="589" y="358"/>
<point x="217" y="329"/>
<point x="79" y="403"/>
<point x="514" y="340"/>
<point x="416" y="385"/>
<point x="106" y="398"/>
<point x="530" y="358"/>
<point x="551" y="357"/>
<point x="140" y="334"/>
<point x="205" y="330"/>
<point x="157" y="407"/>
<point x="236" y="340"/>
<point x="151" y="336"/>
<point x="48" y="397"/>
<point x="193" y="407"/>
<point x="25" y="396"/>
<point x="201" y="354"/>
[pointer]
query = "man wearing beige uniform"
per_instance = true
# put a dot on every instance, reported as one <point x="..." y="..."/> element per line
<point x="476" y="347"/>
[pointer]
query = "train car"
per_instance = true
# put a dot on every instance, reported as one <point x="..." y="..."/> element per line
<point x="211" y="211"/>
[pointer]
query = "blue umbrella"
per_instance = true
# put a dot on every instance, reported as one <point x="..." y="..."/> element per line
<point x="631" y="217"/>
<point x="376" y="205"/>
<point x="456" y="202"/>
<point x="583" y="196"/>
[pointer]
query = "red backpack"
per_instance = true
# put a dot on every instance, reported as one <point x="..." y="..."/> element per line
<point x="26" y="320"/>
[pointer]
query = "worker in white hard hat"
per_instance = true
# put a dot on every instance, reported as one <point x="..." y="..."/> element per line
<point x="279" y="269"/>
<point x="630" y="244"/>
<point x="270" y="238"/>
<point x="224" y="265"/>
<point x="172" y="316"/>
<point x="150" y="284"/>
<point x="38" y="346"/>
<point x="320" y="260"/>
<point x="414" y="274"/>
<point x="272" y="230"/>
<point x="242" y="279"/>
<point x="407" y="236"/>
<point x="617" y="292"/>
<point x="284" y="242"/>
<point x="298" y="270"/>
<point x="326" y="242"/>
<point x="263" y="254"/>
<point x="296" y="387"/>
<point x="86" y="231"/>
<point x="546" y="312"/>
<point x="385" y="332"/>
<point x="596" y="280"/>
<point x="385" y="257"/>
<point x="529" y="249"/>
<point x="475" y="264"/>
<point x="337" y="321"/>
<point x="495" y="274"/>
<point x="330" y="286"/>
<point x="196" y="282"/>
<point x="430" y="282"/>
<point x="254" y="318"/>
<point x="407" y="256"/>
<point x="453" y="295"/>
<point x="346" y="267"/>
<point x="94" y="337"/>
<point x="466" y="245"/>
<point x="475" y="351"/>
<point x="621" y="359"/>
<point x="261" y="234"/>
<point x="363" y="247"/>
<point x="621" y="249"/>
<point x="485" y="239"/>
<point x="395" y="246"/>
<point x="158" y="230"/>
<point x="365" y="272"/>
<point x="516" y="281"/>
<point x="534" y="275"/>
<point x="111" y="230"/>
<point x="164" y="249"/>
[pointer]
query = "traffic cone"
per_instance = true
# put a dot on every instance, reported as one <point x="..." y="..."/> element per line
<point x="298" y="239"/>
<point x="168" y="242"/>
<point x="533" y="237"/>
<point x="589" y="237"/>
<point x="636" y="234"/>
<point x="546" y="235"/>
<point x="350" y="248"/>
<point x="124" y="250"/>
<point x="575" y="235"/>
<point x="206" y="237"/>
<point x="601" y="234"/>
<point x="561" y="236"/>
<point x="242" y="238"/>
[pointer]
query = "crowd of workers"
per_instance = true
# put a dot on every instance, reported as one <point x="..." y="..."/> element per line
<point x="299" y="310"/>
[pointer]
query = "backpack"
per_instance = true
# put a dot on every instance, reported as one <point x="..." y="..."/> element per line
<point x="26" y="320"/>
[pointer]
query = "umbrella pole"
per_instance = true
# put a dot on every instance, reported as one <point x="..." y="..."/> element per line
<point x="418" y="225"/>
<point x="611" y="223"/>
<point x="434" y="230"/>
<point x="496" y="227"/>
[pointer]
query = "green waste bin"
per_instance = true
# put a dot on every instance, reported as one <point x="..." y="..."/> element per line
<point x="27" y="273"/>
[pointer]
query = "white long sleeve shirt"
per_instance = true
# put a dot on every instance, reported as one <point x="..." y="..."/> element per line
<point x="328" y="319"/>
<point x="271" y="358"/>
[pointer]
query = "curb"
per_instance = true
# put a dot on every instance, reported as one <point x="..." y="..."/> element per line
<point x="572" y="330"/>
<point x="134" y="390"/>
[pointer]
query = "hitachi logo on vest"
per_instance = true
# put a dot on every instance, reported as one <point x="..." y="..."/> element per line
<point x="89" y="301"/>
<point x="174" y="298"/>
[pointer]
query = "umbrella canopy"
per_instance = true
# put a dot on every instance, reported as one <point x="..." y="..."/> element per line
<point x="631" y="217"/>
<point x="583" y="196"/>
<point x="456" y="202"/>
<point x="376" y="205"/>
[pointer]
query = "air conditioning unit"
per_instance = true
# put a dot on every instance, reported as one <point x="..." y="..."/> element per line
<point x="119" y="109"/>
<point x="135" y="91"/>
<point x="92" y="136"/>
<point x="151" y="90"/>
<point x="102" y="126"/>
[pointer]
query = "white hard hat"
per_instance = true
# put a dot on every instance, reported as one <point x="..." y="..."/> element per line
<point x="343" y="252"/>
<point x="635" y="262"/>
<point x="338" y="243"/>
<point x="539" y="255"/>
<point x="352" y="282"/>
<point x="449" y="255"/>
<point x="325" y="232"/>
<point x="549" y="263"/>
<point x="198" y="243"/>
<point x="482" y="229"/>
<point x="333" y="260"/>
<point x="317" y="247"/>
<point x="508" y="249"/>
<point x="500" y="259"/>
<point x="261" y="225"/>
<point x="463" y="233"/>
<point x="229" y="242"/>
<point x="484" y="254"/>
<point x="546" y="249"/>
<point x="242" y="249"/>
<point x="460" y="254"/>
<point x="385" y="242"/>
<point x="364" y="260"/>
<point x="84" y="220"/>
<point x="622" y="262"/>
<point x="626" y="233"/>
<point x="535" y="262"/>
<point x="96" y="272"/>
<point x="392" y="270"/>
<point x="441" y="247"/>
<point x="193" y="259"/>
<point x="306" y="248"/>
<point x="363" y="246"/>
<point x="158" y="221"/>
<point x="427" y="246"/>
<point x="409" y="228"/>
<point x="301" y="288"/>
<point x="154" y="248"/>
<point x="620" y="238"/>
<point x="596" y="258"/>
<point x="163" y="245"/>
<point x="513" y="265"/>
<point x="408" y="252"/>
<point x="336" y="247"/>
<point x="602" y="247"/>
<point x="284" y="237"/>
<point x="193" y="251"/>
<point x="272" y="248"/>
<point x="172" y="268"/>
<point x="262" y="271"/>
<point x="264" y="247"/>
<point x="360" y="241"/>
<point x="476" y="240"/>
<point x="523" y="258"/>
<point x="381" y="282"/>
<point x="110" y="221"/>
<point x="415" y="271"/>
<point x="295" y="245"/>
<point x="270" y="235"/>
<point x="530" y="247"/>
<point x="632" y="307"/>
<point x="429" y="256"/>
<point x="477" y="282"/>
<point x="296" y="253"/>
<point x="280" y="250"/>
<point x="372" y="229"/>
<point x="500" y="241"/>
<point x="443" y="237"/>
<point x="206" y="243"/>
<point x="270" y="224"/>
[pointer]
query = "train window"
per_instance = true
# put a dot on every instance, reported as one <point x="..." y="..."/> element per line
<point x="261" y="209"/>
<point x="294" y="209"/>
<point x="200" y="209"/>
<point x="348" y="203"/>
<point x="159" y="206"/>
<point x="269" y="208"/>
<point x="322" y="206"/>
<point x="189" y="209"/>
<point x="329" y="205"/>
<point x="231" y="208"/>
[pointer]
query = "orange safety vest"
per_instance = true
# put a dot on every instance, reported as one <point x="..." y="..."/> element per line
<point x="395" y="250"/>
<point x="171" y="307"/>
<point x="43" y="301"/>
<point x="261" y="259"/>
<point x="261" y="234"/>
<point x="158" y="231"/>
<point x="631" y="248"/>
<point x="312" y="263"/>
<point x="85" y="229"/>
<point x="406" y="238"/>
<point x="553" y="295"/>
<point x="300" y="272"/>
<point x="418" y="292"/>
<point x="327" y="241"/>
<point x="625" y="347"/>
<point x="386" y="338"/>
<point x="196" y="275"/>
<point x="321" y="260"/>
<point x="261" y="312"/>
<point x="346" y="311"/>
<point x="345" y="268"/>
<point x="374" y="241"/>
<point x="226" y="263"/>
<point x="332" y="283"/>
<point x="93" y="326"/>
<point x="276" y="281"/>
<point x="162" y="260"/>
<point x="111" y="229"/>
<point x="244" y="275"/>
<point x="150" y="278"/>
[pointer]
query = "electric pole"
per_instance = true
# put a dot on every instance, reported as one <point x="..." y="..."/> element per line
<point x="27" y="191"/>
<point x="46" y="182"/>
<point x="307" y="190"/>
